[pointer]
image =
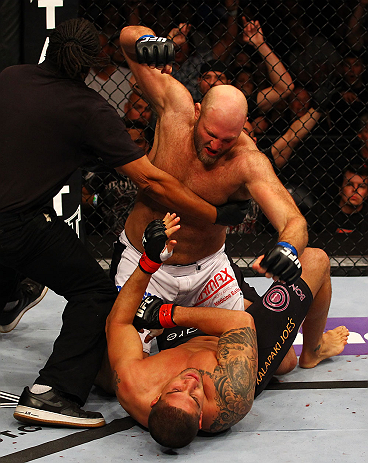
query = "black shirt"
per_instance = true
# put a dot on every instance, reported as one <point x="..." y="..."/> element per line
<point x="331" y="218"/>
<point x="50" y="125"/>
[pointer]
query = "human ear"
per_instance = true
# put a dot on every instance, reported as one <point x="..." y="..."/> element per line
<point x="200" y="420"/>
<point x="197" y="111"/>
<point x="155" y="400"/>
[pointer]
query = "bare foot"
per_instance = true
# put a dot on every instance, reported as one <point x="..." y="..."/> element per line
<point x="333" y="343"/>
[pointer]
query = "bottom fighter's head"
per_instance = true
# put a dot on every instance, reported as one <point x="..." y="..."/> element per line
<point x="176" y="414"/>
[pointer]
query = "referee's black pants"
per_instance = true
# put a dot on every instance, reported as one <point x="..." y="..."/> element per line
<point x="49" y="252"/>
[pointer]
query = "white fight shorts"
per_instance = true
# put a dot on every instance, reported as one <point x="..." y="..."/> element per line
<point x="208" y="282"/>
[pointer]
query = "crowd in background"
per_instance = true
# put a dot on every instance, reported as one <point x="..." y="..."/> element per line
<point x="300" y="64"/>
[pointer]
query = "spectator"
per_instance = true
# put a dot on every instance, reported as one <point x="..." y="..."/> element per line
<point x="312" y="58"/>
<point x="350" y="213"/>
<point x="363" y="137"/>
<point x="189" y="58"/>
<point x="138" y="113"/>
<point x="357" y="27"/>
<point x="212" y="73"/>
<point x="121" y="191"/>
<point x="243" y="80"/>
<point x="137" y="110"/>
<point x="280" y="79"/>
<point x="353" y="97"/>
<point x="304" y="112"/>
<point x="110" y="79"/>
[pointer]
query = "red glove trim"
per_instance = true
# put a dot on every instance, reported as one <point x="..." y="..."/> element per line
<point x="166" y="316"/>
<point x="147" y="265"/>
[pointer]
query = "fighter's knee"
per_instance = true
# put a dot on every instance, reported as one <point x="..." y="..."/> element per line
<point x="288" y="363"/>
<point x="316" y="259"/>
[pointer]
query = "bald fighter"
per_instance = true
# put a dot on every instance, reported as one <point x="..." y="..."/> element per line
<point x="203" y="145"/>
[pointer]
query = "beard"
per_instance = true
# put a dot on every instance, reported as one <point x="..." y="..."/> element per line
<point x="201" y="154"/>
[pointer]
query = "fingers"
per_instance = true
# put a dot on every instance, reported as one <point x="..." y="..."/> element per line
<point x="171" y="222"/>
<point x="257" y="268"/>
<point x="171" y="245"/>
<point x="167" y="69"/>
<point x="184" y="28"/>
<point x="152" y="334"/>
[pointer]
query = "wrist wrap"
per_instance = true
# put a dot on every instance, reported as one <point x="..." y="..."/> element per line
<point x="289" y="246"/>
<point x="166" y="314"/>
<point x="147" y="265"/>
<point x="145" y="36"/>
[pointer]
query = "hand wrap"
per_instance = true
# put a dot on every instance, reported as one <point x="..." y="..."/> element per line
<point x="152" y="313"/>
<point x="157" y="51"/>
<point x="232" y="213"/>
<point x="154" y="243"/>
<point x="282" y="262"/>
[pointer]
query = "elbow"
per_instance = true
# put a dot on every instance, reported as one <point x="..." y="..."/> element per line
<point x="126" y="34"/>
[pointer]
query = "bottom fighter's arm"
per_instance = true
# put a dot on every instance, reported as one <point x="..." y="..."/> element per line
<point x="123" y="341"/>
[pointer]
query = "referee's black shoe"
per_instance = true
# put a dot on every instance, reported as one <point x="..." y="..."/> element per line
<point x="32" y="293"/>
<point x="52" y="408"/>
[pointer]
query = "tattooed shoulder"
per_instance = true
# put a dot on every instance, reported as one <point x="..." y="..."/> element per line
<point x="234" y="377"/>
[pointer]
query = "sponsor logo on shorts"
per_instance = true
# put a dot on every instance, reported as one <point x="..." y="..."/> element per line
<point x="218" y="282"/>
<point x="277" y="299"/>
<point x="185" y="332"/>
<point x="297" y="291"/>
<point x="223" y="299"/>
<point x="290" y="326"/>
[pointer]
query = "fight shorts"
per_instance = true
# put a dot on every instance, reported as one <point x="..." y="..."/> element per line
<point x="208" y="282"/>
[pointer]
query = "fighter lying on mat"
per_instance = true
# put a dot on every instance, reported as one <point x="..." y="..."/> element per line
<point x="207" y="382"/>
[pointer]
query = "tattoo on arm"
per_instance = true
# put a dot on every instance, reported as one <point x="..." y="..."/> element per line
<point x="234" y="378"/>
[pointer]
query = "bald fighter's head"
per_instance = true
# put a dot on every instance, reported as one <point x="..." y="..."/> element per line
<point x="219" y="122"/>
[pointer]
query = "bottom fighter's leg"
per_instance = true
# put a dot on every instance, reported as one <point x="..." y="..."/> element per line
<point x="317" y="345"/>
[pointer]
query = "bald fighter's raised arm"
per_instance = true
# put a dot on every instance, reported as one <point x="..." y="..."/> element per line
<point x="157" y="85"/>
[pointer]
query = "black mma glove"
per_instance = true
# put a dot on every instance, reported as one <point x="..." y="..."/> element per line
<point x="282" y="261"/>
<point x="157" y="51"/>
<point x="232" y="213"/>
<point x="152" y="313"/>
<point x="154" y="243"/>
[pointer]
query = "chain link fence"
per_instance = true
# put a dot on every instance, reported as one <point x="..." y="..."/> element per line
<point x="301" y="65"/>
